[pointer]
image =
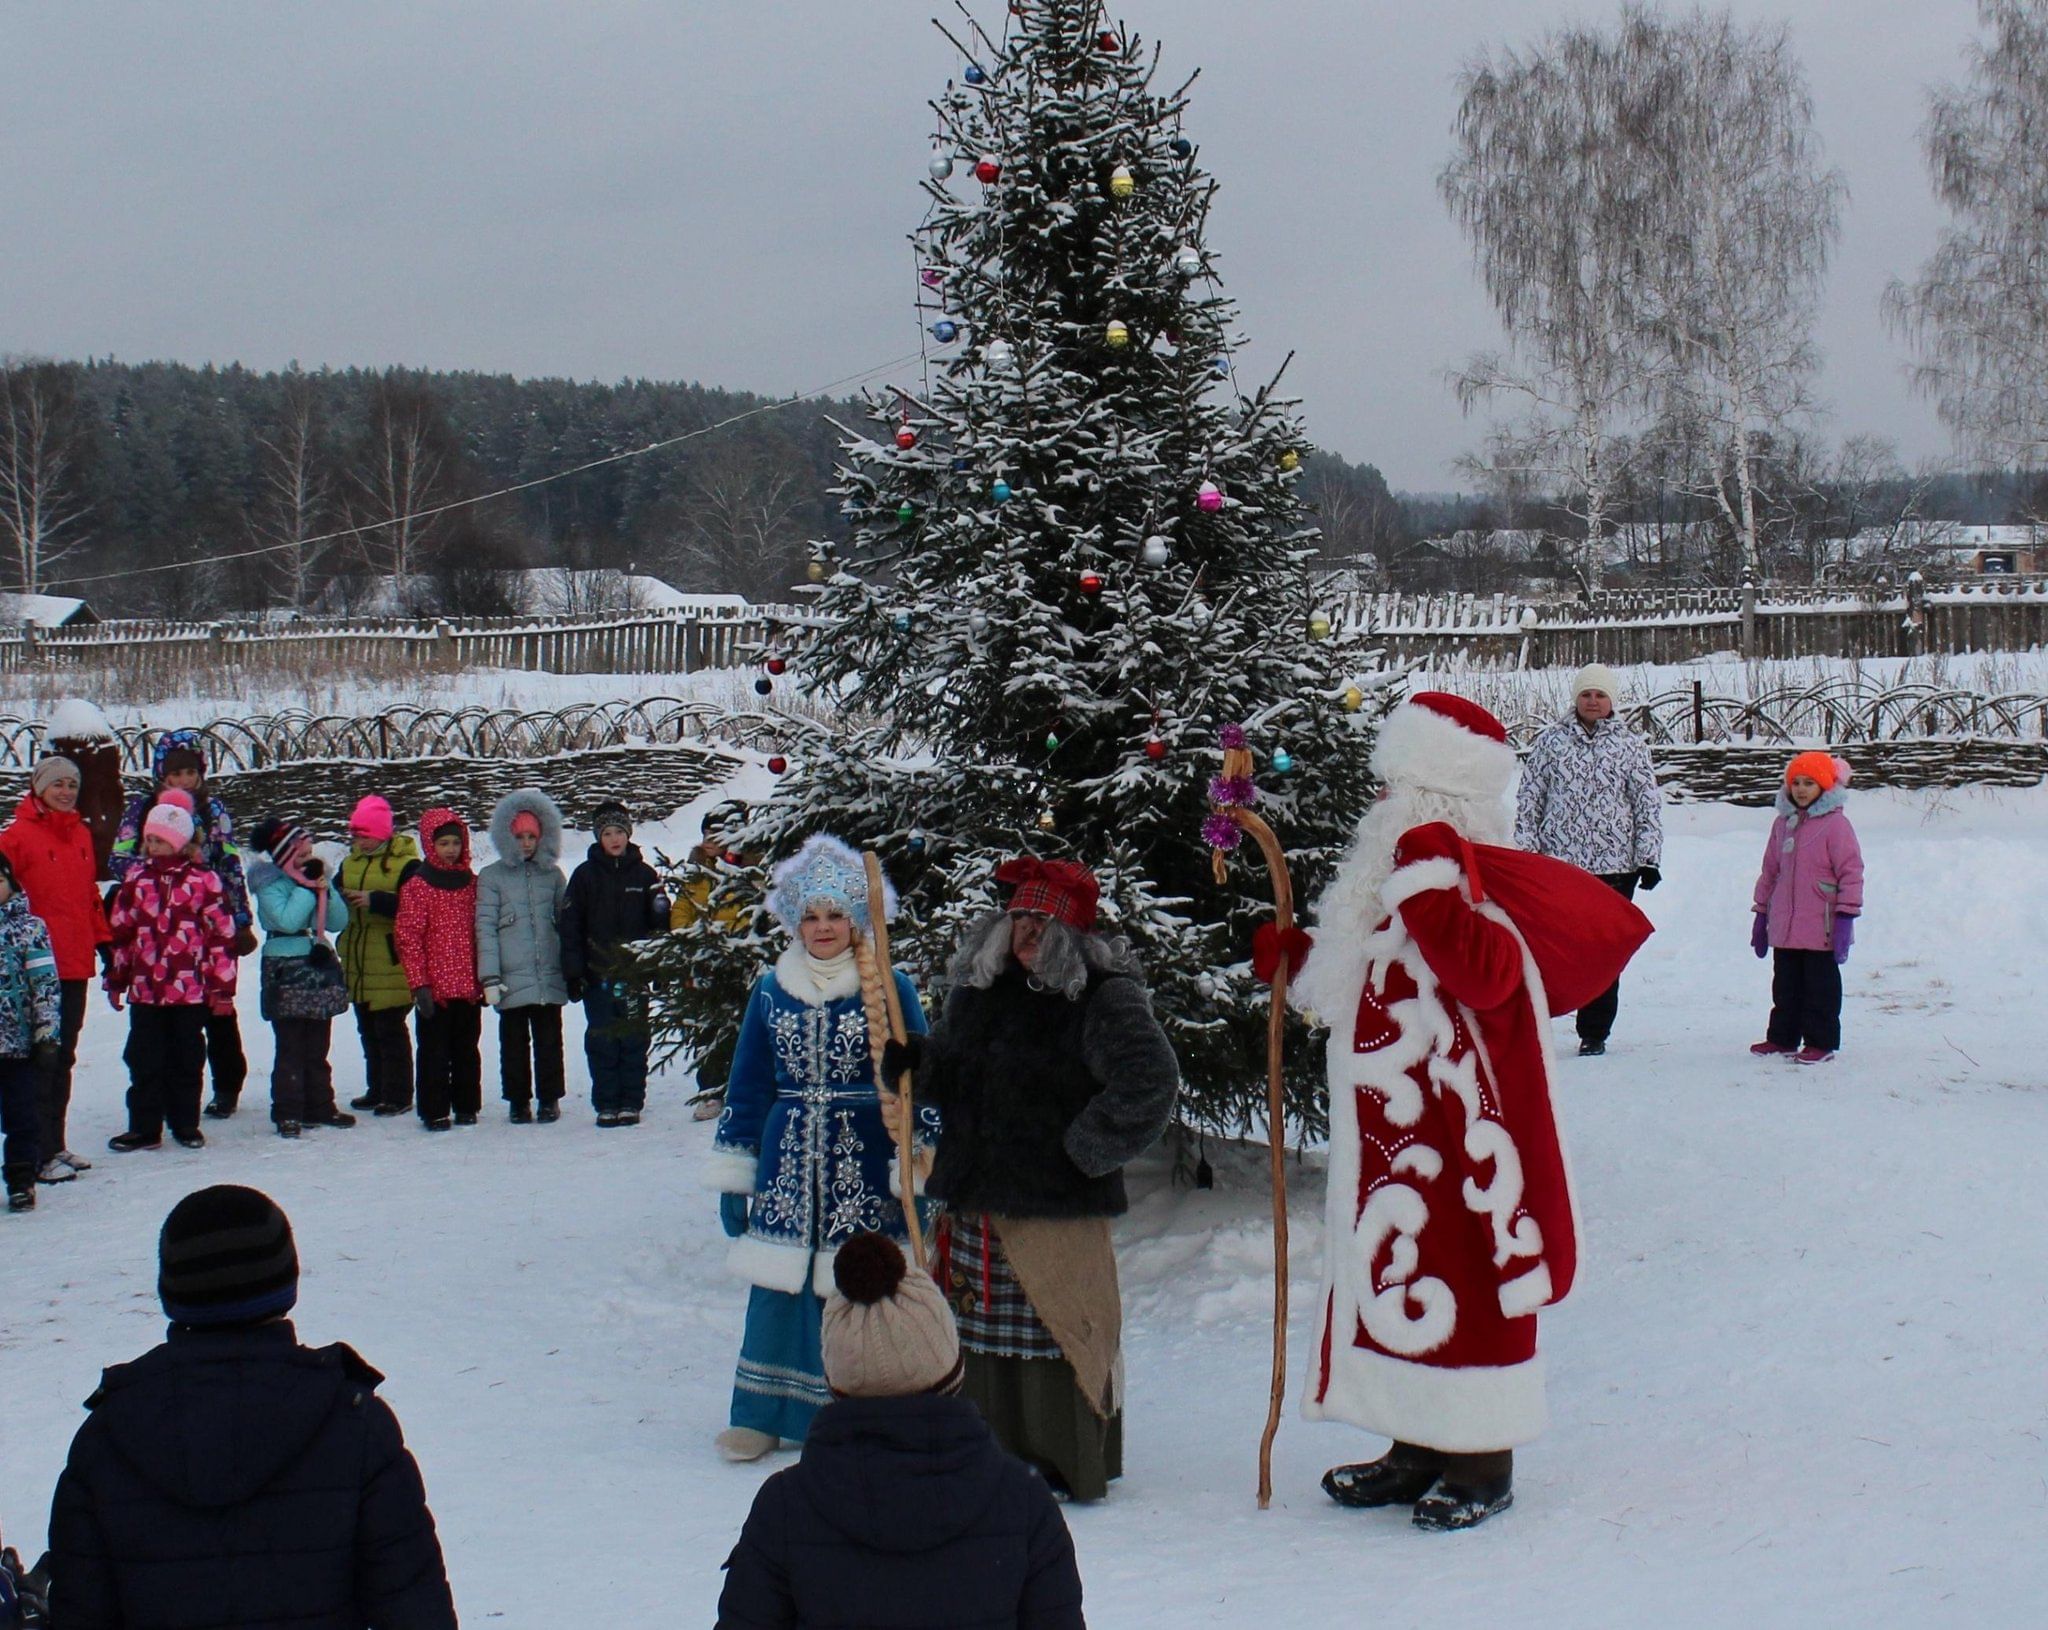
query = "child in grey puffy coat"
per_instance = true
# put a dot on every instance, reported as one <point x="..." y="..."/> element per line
<point x="519" y="949"/>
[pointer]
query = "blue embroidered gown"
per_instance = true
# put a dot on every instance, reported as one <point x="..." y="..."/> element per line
<point x="802" y="1134"/>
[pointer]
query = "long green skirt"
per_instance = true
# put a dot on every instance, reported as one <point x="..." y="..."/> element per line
<point x="1037" y="1412"/>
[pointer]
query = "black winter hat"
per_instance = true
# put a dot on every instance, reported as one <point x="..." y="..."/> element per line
<point x="226" y="1257"/>
<point x="611" y="814"/>
<point x="276" y="836"/>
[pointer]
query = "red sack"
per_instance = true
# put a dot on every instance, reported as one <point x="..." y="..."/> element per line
<point x="1579" y="931"/>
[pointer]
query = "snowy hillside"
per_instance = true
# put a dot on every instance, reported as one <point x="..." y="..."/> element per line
<point x="1801" y="1383"/>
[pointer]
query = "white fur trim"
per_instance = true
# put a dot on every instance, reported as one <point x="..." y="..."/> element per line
<point x="1459" y="1411"/>
<point x="793" y="974"/>
<point x="732" y="1171"/>
<point x="916" y="1177"/>
<point x="1424" y="749"/>
<point x="786" y="1268"/>
<point x="1420" y="877"/>
<point x="822" y="1283"/>
<point x="1526" y="1294"/>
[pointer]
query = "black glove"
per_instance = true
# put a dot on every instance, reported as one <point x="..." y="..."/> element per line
<point x="423" y="1002"/>
<point x="575" y="989"/>
<point x="898" y="1056"/>
<point x="48" y="1053"/>
<point x="106" y="952"/>
<point x="1648" y="877"/>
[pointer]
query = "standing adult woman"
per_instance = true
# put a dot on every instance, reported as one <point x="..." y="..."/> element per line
<point x="802" y="1157"/>
<point x="51" y="850"/>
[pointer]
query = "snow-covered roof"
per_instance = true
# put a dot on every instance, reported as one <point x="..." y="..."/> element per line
<point x="541" y="591"/>
<point x="44" y="610"/>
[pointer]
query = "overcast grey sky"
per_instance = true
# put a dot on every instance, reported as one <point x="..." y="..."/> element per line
<point x="719" y="189"/>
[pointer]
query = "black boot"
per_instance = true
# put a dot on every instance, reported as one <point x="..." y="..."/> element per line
<point x="521" y="1112"/>
<point x="1401" y="1476"/>
<point x="551" y="1110"/>
<point x="221" y="1109"/>
<point x="1471" y="1489"/>
<point x="368" y="1101"/>
<point x="21" y="1188"/>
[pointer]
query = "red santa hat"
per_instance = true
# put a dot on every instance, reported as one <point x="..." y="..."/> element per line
<point x="1445" y="744"/>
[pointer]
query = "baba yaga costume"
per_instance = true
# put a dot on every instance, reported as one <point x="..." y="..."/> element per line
<point x="1047" y="1082"/>
<point x="1438" y="962"/>
<point x="802" y="1158"/>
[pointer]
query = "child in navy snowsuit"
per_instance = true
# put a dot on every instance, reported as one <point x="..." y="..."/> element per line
<point x="28" y="1033"/>
<point x="614" y="898"/>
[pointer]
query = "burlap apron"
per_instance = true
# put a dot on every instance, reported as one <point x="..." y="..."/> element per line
<point x="1067" y="1267"/>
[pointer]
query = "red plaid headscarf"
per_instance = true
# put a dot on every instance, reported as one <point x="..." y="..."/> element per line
<point x="1063" y="889"/>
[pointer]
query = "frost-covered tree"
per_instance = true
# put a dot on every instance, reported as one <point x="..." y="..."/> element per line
<point x="1077" y="553"/>
<point x="1978" y="313"/>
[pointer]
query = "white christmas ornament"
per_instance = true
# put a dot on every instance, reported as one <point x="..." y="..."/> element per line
<point x="1156" y="551"/>
<point x="997" y="354"/>
<point x="1188" y="262"/>
<point x="941" y="166"/>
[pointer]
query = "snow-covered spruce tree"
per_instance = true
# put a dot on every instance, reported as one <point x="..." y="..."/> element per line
<point x="1076" y="555"/>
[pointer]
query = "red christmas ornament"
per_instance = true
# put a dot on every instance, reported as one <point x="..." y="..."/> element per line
<point x="775" y="665"/>
<point x="777" y="764"/>
<point x="731" y="857"/>
<point x="906" y="438"/>
<point x="987" y="172"/>
<point x="1107" y="40"/>
<point x="1091" y="582"/>
<point x="1155" y="749"/>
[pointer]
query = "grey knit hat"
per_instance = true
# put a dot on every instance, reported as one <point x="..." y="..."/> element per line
<point x="888" y="1331"/>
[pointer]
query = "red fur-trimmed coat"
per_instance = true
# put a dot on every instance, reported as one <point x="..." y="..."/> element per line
<point x="1450" y="1209"/>
<point x="174" y="939"/>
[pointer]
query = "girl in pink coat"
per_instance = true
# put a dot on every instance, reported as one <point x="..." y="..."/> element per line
<point x="1806" y="904"/>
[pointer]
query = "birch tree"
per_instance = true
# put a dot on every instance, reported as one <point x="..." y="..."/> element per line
<point x="406" y="466"/>
<point x="42" y="510"/>
<point x="295" y="490"/>
<point x="1977" y="315"/>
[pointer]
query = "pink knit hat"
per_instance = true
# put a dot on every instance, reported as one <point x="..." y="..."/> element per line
<point x="372" y="819"/>
<point x="171" y="818"/>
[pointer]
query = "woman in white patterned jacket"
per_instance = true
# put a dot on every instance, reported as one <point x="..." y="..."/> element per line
<point x="802" y="1159"/>
<point x="1589" y="796"/>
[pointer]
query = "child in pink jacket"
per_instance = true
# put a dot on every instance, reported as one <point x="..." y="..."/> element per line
<point x="1806" y="904"/>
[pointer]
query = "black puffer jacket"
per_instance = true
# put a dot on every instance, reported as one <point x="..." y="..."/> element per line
<point x="903" y="1515"/>
<point x="232" y="1478"/>
<point x="609" y="902"/>
<point x="1045" y="1099"/>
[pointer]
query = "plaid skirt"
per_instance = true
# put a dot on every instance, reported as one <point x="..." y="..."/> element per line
<point x="987" y="1298"/>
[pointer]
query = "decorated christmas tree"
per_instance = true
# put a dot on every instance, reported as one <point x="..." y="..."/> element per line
<point x="1076" y="556"/>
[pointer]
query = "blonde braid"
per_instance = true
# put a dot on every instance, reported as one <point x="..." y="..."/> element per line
<point x="873" y="1001"/>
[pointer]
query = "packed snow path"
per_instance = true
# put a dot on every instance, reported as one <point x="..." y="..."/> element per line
<point x="1801" y="1381"/>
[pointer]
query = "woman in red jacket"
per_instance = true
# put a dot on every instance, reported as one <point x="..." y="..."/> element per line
<point x="50" y="848"/>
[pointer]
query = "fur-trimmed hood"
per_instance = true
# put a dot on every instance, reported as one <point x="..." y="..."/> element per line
<point x="1835" y="798"/>
<point x="530" y="801"/>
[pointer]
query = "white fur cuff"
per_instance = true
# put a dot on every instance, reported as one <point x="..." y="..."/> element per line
<point x="731" y="1171"/>
<point x="786" y="1268"/>
<point x="1419" y="877"/>
<point x="1526" y="1293"/>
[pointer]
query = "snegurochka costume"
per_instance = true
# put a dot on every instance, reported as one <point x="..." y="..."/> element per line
<point x="801" y="1152"/>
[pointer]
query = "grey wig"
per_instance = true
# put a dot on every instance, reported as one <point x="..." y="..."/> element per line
<point x="1066" y="956"/>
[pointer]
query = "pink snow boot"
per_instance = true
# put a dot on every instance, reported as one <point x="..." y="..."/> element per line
<point x="1770" y="1049"/>
<point x="1814" y="1055"/>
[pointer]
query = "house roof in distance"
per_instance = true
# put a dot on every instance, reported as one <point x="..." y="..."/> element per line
<point x="45" y="610"/>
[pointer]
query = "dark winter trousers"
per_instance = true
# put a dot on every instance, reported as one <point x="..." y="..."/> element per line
<point x="19" y="1117"/>
<point x="615" y="1044"/>
<point x="451" y="1068"/>
<point x="301" y="1082"/>
<point x="1806" y="1000"/>
<point x="226" y="1061"/>
<point x="530" y="1045"/>
<point x="1596" y="1018"/>
<point x="167" y="1067"/>
<point x="53" y="1086"/>
<point x="387" y="1055"/>
<point x="1465" y="1471"/>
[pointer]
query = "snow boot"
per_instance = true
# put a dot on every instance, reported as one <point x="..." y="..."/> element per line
<point x="1401" y="1476"/>
<point x="21" y="1187"/>
<point x="1592" y="1049"/>
<point x="1451" y="1507"/>
<point x="1770" y="1049"/>
<point x="368" y="1102"/>
<point x="629" y="1117"/>
<point x="77" y="1163"/>
<point x="550" y="1111"/>
<point x="54" y="1170"/>
<point x="386" y="1111"/>
<point x="287" y="1129"/>
<point x="194" y="1139"/>
<point x="221" y="1109"/>
<point x="440" y="1123"/>
<point x="340" y="1119"/>
<point x="740" y="1444"/>
<point x="607" y="1117"/>
<point x="521" y="1113"/>
<point x="126" y="1143"/>
<point x="466" y="1118"/>
<point x="1815" y="1055"/>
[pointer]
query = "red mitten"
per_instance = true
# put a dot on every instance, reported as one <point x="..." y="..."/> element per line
<point x="1268" y="945"/>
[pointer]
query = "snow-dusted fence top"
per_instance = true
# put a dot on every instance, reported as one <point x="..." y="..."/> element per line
<point x="638" y="642"/>
<point x="409" y="733"/>
<point x="1679" y="625"/>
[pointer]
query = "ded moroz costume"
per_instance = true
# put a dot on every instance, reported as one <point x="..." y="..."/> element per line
<point x="802" y="1158"/>
<point x="1439" y="960"/>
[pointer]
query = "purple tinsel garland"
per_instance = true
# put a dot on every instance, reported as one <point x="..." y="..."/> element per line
<point x="1221" y="832"/>
<point x="1237" y="791"/>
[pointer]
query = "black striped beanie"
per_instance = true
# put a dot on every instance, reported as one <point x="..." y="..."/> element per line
<point x="226" y="1257"/>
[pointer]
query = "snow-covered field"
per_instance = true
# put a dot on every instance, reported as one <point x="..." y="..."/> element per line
<point x="1801" y="1382"/>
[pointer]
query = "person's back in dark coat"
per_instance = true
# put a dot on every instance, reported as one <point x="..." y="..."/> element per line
<point x="903" y="1515"/>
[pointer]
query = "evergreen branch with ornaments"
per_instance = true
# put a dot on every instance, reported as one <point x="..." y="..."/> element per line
<point x="1074" y="551"/>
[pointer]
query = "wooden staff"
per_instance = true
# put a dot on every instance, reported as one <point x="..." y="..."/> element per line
<point x="906" y="1154"/>
<point x="1276" y="1107"/>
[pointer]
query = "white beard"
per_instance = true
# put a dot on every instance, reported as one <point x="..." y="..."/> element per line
<point x="1350" y="909"/>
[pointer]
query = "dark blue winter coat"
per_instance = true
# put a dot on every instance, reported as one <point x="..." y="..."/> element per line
<point x="235" y="1478"/>
<point x="903" y="1514"/>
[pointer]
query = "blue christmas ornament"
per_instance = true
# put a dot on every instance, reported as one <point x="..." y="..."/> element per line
<point x="900" y="622"/>
<point x="1283" y="762"/>
<point x="1182" y="147"/>
<point x="975" y="75"/>
<point x="914" y="841"/>
<point x="1222" y="367"/>
<point x="945" y="331"/>
<point x="1000" y="492"/>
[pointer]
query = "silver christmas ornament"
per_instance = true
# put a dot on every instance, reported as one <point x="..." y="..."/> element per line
<point x="1156" y="551"/>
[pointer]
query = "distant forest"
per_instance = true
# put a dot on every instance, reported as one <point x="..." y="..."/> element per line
<point x="144" y="465"/>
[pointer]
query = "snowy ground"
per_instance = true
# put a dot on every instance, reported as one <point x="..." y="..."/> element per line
<point x="1801" y="1382"/>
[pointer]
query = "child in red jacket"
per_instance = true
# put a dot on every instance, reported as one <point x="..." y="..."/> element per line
<point x="173" y="963"/>
<point x="436" y="933"/>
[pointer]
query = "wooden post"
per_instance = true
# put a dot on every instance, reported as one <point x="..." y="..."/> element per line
<point x="1748" y="618"/>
